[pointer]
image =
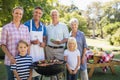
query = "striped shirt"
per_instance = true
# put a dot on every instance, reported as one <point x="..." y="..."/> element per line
<point x="22" y="66"/>
<point x="11" y="36"/>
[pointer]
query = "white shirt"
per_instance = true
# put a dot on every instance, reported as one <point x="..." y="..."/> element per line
<point x="57" y="32"/>
<point x="72" y="58"/>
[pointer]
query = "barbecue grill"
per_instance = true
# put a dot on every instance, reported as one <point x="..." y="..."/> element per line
<point x="49" y="70"/>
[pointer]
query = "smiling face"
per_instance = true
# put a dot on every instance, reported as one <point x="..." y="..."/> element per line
<point x="72" y="44"/>
<point x="22" y="48"/>
<point x="74" y="26"/>
<point x="17" y="15"/>
<point x="55" y="16"/>
<point x="37" y="14"/>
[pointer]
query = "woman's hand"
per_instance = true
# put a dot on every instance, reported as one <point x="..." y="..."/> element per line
<point x="12" y="60"/>
<point x="83" y="60"/>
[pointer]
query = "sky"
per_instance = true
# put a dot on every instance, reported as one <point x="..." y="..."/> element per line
<point x="81" y="4"/>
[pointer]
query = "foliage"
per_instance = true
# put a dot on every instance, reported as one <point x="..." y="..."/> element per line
<point x="111" y="28"/>
<point x="112" y="11"/>
<point x="66" y="13"/>
<point x="28" y="6"/>
<point x="115" y="39"/>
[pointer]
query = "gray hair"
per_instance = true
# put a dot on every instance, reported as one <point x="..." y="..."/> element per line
<point x="54" y="10"/>
<point x="74" y="20"/>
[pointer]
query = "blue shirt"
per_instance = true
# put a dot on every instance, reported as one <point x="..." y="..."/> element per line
<point x="34" y="27"/>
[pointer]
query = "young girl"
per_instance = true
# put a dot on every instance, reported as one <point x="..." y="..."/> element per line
<point x="22" y="69"/>
<point x="72" y="57"/>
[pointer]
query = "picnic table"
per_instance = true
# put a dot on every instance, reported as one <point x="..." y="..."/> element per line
<point x="100" y="59"/>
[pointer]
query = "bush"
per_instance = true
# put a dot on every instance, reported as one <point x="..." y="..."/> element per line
<point x="115" y="39"/>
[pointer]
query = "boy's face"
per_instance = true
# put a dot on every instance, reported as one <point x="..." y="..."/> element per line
<point x="22" y="48"/>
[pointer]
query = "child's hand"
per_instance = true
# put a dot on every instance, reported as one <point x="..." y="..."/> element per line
<point x="70" y="71"/>
<point x="75" y="71"/>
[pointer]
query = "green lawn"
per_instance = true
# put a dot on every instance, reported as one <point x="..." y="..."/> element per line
<point x="2" y="70"/>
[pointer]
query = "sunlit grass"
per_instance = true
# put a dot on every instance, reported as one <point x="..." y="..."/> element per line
<point x="101" y="43"/>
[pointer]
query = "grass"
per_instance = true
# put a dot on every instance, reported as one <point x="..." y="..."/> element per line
<point x="101" y="43"/>
<point x="98" y="74"/>
<point x="2" y="70"/>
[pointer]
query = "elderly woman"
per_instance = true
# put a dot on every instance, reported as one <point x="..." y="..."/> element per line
<point x="81" y="42"/>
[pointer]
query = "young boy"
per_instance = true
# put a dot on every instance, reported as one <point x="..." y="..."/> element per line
<point x="72" y="57"/>
<point x="22" y="69"/>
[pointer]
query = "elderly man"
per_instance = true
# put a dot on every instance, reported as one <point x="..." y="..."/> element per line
<point x="57" y="36"/>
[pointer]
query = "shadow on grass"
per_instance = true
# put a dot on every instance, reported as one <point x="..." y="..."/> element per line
<point x="99" y="75"/>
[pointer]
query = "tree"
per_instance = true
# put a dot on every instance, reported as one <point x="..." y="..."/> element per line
<point x="28" y="5"/>
<point x="112" y="11"/>
<point x="93" y="15"/>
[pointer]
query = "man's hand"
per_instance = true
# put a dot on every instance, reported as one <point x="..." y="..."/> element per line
<point x="42" y="44"/>
<point x="35" y="42"/>
<point x="56" y="42"/>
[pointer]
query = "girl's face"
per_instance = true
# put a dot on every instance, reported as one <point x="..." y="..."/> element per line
<point x="72" y="45"/>
<point x="22" y="48"/>
<point x="17" y="14"/>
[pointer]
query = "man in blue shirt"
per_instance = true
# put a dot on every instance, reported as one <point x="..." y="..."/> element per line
<point x="37" y="35"/>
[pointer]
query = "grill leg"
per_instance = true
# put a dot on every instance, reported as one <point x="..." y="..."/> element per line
<point x="41" y="77"/>
<point x="57" y="77"/>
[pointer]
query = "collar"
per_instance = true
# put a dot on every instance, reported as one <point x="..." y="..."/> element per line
<point x="22" y="56"/>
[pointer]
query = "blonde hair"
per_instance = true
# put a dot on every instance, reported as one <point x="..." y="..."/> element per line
<point x="72" y="39"/>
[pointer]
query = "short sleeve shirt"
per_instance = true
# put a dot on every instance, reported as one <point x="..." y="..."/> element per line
<point x="72" y="58"/>
<point x="57" y="32"/>
<point x="34" y="27"/>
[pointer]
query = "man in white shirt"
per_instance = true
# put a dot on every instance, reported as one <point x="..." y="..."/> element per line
<point x="57" y="36"/>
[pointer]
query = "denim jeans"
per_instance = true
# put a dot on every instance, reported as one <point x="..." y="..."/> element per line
<point x="9" y="73"/>
<point x="36" y="78"/>
<point x="72" y="76"/>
